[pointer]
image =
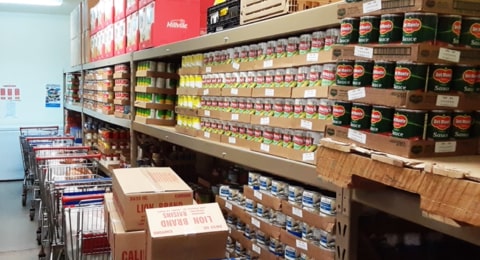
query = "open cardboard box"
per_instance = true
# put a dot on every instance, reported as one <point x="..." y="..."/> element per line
<point x="326" y="223"/>
<point x="263" y="198"/>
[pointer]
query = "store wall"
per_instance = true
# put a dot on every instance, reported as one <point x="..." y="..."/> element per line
<point x="34" y="51"/>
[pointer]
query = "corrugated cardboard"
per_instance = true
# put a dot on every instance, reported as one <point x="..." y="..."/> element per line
<point x="136" y="189"/>
<point x="326" y="223"/>
<point x="186" y="232"/>
<point x="306" y="247"/>
<point x="123" y="244"/>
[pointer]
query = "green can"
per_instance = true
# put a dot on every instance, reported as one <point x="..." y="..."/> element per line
<point x="464" y="78"/>
<point x="462" y="122"/>
<point x="382" y="74"/>
<point x="476" y="124"/>
<point x="362" y="73"/>
<point x="440" y="77"/>
<point x="449" y="29"/>
<point x="439" y="122"/>
<point x="381" y="120"/>
<point x="410" y="76"/>
<point x="348" y="30"/>
<point x="390" y="28"/>
<point x="368" y="29"/>
<point x="360" y="116"/>
<point x="341" y="113"/>
<point x="344" y="72"/>
<point x="419" y="27"/>
<point x="470" y="33"/>
<point x="409" y="124"/>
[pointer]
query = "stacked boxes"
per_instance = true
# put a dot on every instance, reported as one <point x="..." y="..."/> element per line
<point x="121" y="90"/>
<point x="98" y="91"/>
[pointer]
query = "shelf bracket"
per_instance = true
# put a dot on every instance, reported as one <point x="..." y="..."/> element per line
<point x="346" y="226"/>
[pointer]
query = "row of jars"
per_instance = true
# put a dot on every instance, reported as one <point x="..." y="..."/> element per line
<point x="278" y="107"/>
<point x="285" y="47"/>
<point x="295" y="139"/>
<point x="155" y="113"/>
<point x="155" y="98"/>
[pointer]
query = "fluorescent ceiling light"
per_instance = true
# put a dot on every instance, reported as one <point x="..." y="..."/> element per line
<point x="33" y="2"/>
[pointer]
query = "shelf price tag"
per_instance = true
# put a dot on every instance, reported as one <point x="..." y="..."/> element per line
<point x="356" y="93"/>
<point x="229" y="230"/>
<point x="206" y="135"/>
<point x="206" y="112"/>
<point x="372" y="6"/>
<point x="364" y="52"/>
<point x="357" y="136"/>
<point x="232" y="140"/>
<point x="308" y="157"/>
<point x="302" y="244"/>
<point x="255" y="222"/>
<point x="310" y="93"/>
<point x="449" y="55"/>
<point x="297" y="212"/>
<point x="268" y="64"/>
<point x="269" y="92"/>
<point x="265" y="121"/>
<point x="205" y="92"/>
<point x="265" y="147"/>
<point x="306" y="124"/>
<point x="447" y="101"/>
<point x="228" y="205"/>
<point x="312" y="57"/>
<point x="257" y="194"/>
<point x="234" y="91"/>
<point x="208" y="69"/>
<point x="236" y="65"/>
<point x="256" y="249"/>
<point x="235" y="117"/>
<point x="445" y="147"/>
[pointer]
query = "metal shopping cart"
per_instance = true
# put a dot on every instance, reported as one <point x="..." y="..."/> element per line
<point x="66" y="180"/>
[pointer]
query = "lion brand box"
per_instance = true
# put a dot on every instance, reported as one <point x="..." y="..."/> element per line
<point x="186" y="232"/>
<point x="123" y="244"/>
<point x="136" y="189"/>
<point x="167" y="21"/>
<point x="120" y="35"/>
<point x="120" y="7"/>
<point x="132" y="32"/>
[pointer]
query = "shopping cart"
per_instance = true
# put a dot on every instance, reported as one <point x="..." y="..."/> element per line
<point x="66" y="179"/>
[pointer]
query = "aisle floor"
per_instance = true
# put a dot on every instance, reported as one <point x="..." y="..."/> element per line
<point x="17" y="239"/>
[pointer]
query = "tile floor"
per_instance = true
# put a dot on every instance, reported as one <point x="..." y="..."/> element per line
<point x="17" y="232"/>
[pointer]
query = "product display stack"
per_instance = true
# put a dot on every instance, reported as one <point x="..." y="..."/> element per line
<point x="152" y="215"/>
<point x="407" y="84"/>
<point x="97" y="91"/>
<point x="121" y="90"/>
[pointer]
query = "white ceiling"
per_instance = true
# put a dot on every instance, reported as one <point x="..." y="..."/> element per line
<point x="64" y="9"/>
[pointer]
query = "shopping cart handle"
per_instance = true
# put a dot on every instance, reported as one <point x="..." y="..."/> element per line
<point x="85" y="181"/>
<point x="74" y="199"/>
<point x="39" y="128"/>
<point x="49" y="138"/>
<point x="62" y="148"/>
<point x="87" y="156"/>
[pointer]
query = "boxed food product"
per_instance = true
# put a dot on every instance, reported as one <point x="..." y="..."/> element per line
<point x="132" y="32"/>
<point x="186" y="232"/>
<point x="136" y="189"/>
<point x="120" y="37"/>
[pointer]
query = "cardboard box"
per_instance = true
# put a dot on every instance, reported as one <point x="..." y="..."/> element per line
<point x="109" y="42"/>
<point x="240" y="142"/>
<point x="186" y="111"/>
<point x="120" y="35"/>
<point x="236" y="92"/>
<point x="323" y="222"/>
<point x="123" y="244"/>
<point x="87" y="5"/>
<point x="167" y="21"/>
<point x="317" y="125"/>
<point x="186" y="130"/>
<point x="210" y="136"/>
<point x="131" y="6"/>
<point x="307" y="247"/>
<point x="209" y="113"/>
<point x="133" y="34"/>
<point x="234" y="117"/>
<point x="233" y="209"/>
<point x="76" y="22"/>
<point x="136" y="189"/>
<point x="271" y="121"/>
<point x="143" y="3"/>
<point x="186" y="232"/>
<point x="120" y="8"/>
<point x="212" y="92"/>
<point x="86" y="47"/>
<point x="75" y="51"/>
<point x="109" y="12"/>
<point x="310" y="92"/>
<point x="265" y="199"/>
<point x="272" y="92"/>
<point x="153" y="121"/>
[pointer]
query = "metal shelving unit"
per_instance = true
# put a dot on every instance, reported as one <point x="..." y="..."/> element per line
<point x="125" y="58"/>
<point x="74" y="107"/>
<point x="108" y="118"/>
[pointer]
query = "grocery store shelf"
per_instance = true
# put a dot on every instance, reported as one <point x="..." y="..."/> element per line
<point x="281" y="167"/>
<point x="73" y="107"/>
<point x="103" y="168"/>
<point x="308" y="20"/>
<point x="125" y="58"/>
<point x="407" y="206"/>
<point x="77" y="68"/>
<point x="108" y="118"/>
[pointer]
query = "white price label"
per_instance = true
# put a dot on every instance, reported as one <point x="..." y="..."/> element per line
<point x="372" y="6"/>
<point x="256" y="249"/>
<point x="206" y="134"/>
<point x="445" y="147"/>
<point x="235" y="117"/>
<point x="236" y="65"/>
<point x="268" y="63"/>
<point x="449" y="55"/>
<point x="265" y="120"/>
<point x="364" y="52"/>
<point x="312" y="57"/>
<point x="205" y="92"/>
<point x="297" y="212"/>
<point x="234" y="91"/>
<point x="228" y="205"/>
<point x="257" y="194"/>
<point x="255" y="222"/>
<point x="232" y="140"/>
<point x="306" y="124"/>
<point x="357" y="136"/>
<point x="229" y="229"/>
<point x="269" y="92"/>
<point x="206" y="112"/>
<point x="308" y="157"/>
<point x="302" y="245"/>
<point x="265" y="147"/>
<point x="356" y="93"/>
<point x="447" y="101"/>
<point x="310" y="93"/>
<point x="208" y="69"/>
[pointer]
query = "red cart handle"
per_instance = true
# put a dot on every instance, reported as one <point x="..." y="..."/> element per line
<point x="62" y="148"/>
<point x="87" y="156"/>
<point x="39" y="128"/>
<point x="49" y="138"/>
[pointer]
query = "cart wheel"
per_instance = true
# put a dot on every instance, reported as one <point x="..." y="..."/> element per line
<point x="41" y="254"/>
<point x="32" y="214"/>
<point x="24" y="200"/>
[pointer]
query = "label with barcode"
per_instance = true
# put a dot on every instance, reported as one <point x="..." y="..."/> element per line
<point x="265" y="147"/>
<point x="256" y="249"/>
<point x="235" y="117"/>
<point x="297" y="212"/>
<point x="364" y="52"/>
<point x="372" y="6"/>
<point x="357" y="136"/>
<point x="257" y="194"/>
<point x="356" y="93"/>
<point x="205" y="92"/>
<point x="208" y="69"/>
<point x="236" y="65"/>
<point x="234" y="91"/>
<point x="308" y="157"/>
<point x="255" y="222"/>
<point x="228" y="205"/>
<point x="268" y="63"/>
<point x="207" y="113"/>
<point x="232" y="140"/>
<point x="306" y="124"/>
<point x="206" y="134"/>
<point x="447" y="101"/>
<point x="302" y="245"/>
<point x="310" y="93"/>
<point x="312" y="57"/>
<point x="449" y="55"/>
<point x="265" y="120"/>
<point x="269" y="92"/>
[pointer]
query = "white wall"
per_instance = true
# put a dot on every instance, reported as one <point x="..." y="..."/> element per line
<point x="34" y="51"/>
